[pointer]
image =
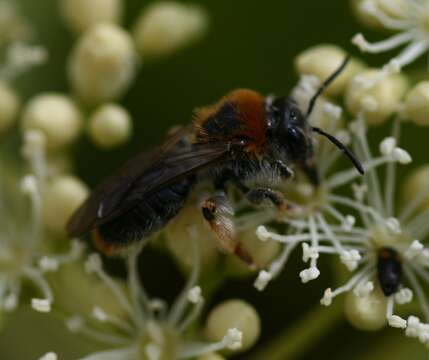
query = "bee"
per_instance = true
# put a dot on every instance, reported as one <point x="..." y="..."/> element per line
<point x="389" y="270"/>
<point x="241" y="137"/>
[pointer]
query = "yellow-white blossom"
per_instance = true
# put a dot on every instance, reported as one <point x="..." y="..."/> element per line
<point x="165" y="27"/>
<point x="322" y="60"/>
<point x="110" y="125"/>
<point x="103" y="63"/>
<point x="416" y="106"/>
<point x="62" y="196"/>
<point x="54" y="114"/>
<point x="80" y="15"/>
<point x="236" y="314"/>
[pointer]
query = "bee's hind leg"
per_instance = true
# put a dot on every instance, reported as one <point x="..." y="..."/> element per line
<point x="219" y="216"/>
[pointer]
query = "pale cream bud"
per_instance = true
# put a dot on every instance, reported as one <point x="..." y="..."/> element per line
<point x="187" y="230"/>
<point x="56" y="115"/>
<point x="62" y="196"/>
<point x="234" y="314"/>
<point x="102" y="64"/>
<point x="322" y="60"/>
<point x="165" y="27"/>
<point x="110" y="126"/>
<point x="366" y="312"/>
<point x="80" y="15"/>
<point x="416" y="106"/>
<point x="416" y="186"/>
<point x="376" y="96"/>
<point x="392" y="8"/>
<point x="9" y="106"/>
<point x="263" y="252"/>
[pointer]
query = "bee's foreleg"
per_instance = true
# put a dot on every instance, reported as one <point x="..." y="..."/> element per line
<point x="219" y="216"/>
<point x="260" y="195"/>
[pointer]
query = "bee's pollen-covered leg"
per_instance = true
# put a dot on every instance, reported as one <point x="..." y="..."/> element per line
<point x="219" y="216"/>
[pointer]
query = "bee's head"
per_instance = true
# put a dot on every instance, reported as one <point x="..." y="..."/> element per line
<point x="290" y="130"/>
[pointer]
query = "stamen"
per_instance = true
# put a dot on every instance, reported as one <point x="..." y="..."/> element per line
<point x="384" y="45"/>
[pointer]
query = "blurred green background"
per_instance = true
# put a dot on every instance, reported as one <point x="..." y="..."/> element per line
<point x="249" y="44"/>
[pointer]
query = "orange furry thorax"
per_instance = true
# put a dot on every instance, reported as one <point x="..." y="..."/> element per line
<point x="240" y="114"/>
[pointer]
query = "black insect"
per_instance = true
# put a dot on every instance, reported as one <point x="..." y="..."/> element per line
<point x="389" y="270"/>
<point x="235" y="140"/>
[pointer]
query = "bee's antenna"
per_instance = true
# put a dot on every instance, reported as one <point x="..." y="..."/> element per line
<point x="342" y="147"/>
<point x="325" y="84"/>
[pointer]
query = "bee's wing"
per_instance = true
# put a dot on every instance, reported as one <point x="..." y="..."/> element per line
<point x="140" y="177"/>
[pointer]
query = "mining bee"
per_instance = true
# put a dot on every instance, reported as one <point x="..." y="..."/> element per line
<point x="241" y="137"/>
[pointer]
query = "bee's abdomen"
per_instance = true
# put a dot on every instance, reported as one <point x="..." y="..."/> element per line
<point x="151" y="214"/>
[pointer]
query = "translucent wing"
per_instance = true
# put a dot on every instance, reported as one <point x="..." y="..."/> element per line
<point x="141" y="176"/>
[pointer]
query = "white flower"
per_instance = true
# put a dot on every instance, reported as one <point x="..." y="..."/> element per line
<point x="152" y="328"/>
<point x="23" y="257"/>
<point x="381" y="227"/>
<point x="411" y="25"/>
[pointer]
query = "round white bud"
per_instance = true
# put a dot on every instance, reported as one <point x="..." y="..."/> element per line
<point x="165" y="27"/>
<point x="102" y="64"/>
<point x="322" y="60"/>
<point x="234" y="314"/>
<point x="80" y="15"/>
<point x="416" y="104"/>
<point x="9" y="106"/>
<point x="417" y="185"/>
<point x="375" y="95"/>
<point x="110" y="126"/>
<point x="56" y="116"/>
<point x="185" y="229"/>
<point x="62" y="196"/>
<point x="366" y="312"/>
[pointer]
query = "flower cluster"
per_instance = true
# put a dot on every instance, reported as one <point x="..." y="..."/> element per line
<point x="377" y="240"/>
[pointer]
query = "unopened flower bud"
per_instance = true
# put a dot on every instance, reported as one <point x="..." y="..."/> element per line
<point x="80" y="15"/>
<point x="366" y="312"/>
<point x="322" y="61"/>
<point x="187" y="230"/>
<point x="63" y="195"/>
<point x="417" y="104"/>
<point x="363" y="9"/>
<point x="110" y="126"/>
<point x="234" y="314"/>
<point x="56" y="116"/>
<point x="416" y="186"/>
<point x="102" y="64"/>
<point x="375" y="95"/>
<point x="165" y="27"/>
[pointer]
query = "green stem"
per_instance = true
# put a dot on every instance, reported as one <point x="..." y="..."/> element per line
<point x="297" y="339"/>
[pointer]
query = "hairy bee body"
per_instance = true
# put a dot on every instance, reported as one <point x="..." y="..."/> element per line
<point x="242" y="137"/>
